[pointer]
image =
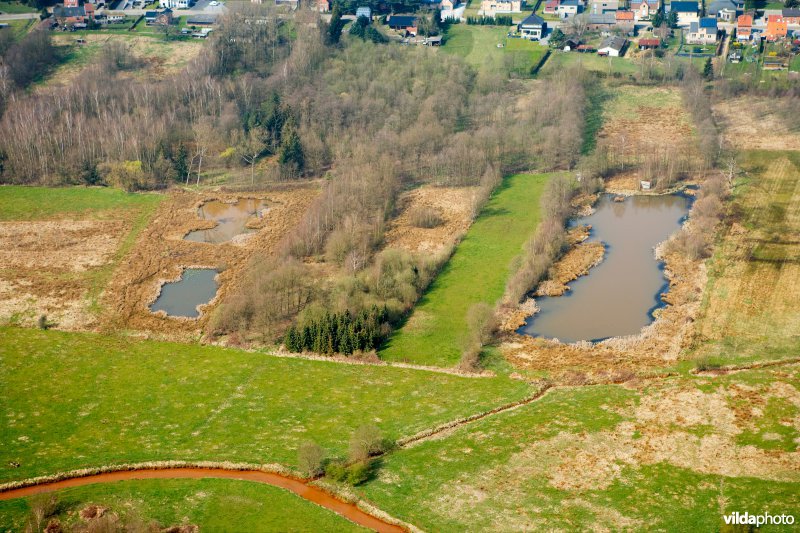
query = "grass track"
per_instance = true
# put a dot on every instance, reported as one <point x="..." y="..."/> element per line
<point x="76" y="400"/>
<point x="477" y="272"/>
<point x="212" y="504"/>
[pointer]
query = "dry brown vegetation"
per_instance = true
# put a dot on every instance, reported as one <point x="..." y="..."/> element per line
<point x="756" y="123"/>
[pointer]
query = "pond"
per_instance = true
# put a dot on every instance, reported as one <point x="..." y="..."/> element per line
<point x="231" y="219"/>
<point x="619" y="295"/>
<point x="181" y="298"/>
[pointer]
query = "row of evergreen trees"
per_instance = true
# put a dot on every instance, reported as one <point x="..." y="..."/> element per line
<point x="340" y="332"/>
<point x="499" y="20"/>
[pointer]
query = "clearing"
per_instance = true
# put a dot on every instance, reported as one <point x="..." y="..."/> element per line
<point x="58" y="248"/>
<point x="478" y="45"/>
<point x="477" y="272"/>
<point x="751" y="123"/>
<point x="750" y="306"/>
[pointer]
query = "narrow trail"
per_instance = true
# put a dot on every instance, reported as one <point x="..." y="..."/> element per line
<point x="300" y="488"/>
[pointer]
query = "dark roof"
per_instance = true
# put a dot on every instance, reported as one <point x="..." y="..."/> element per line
<point x="61" y="11"/>
<point x="201" y="19"/>
<point x="791" y="12"/>
<point x="532" y="20"/>
<point x="150" y="14"/>
<point x="603" y="18"/>
<point x="401" y="21"/>
<point x="617" y="43"/>
<point x="684" y="7"/>
<point x="571" y="3"/>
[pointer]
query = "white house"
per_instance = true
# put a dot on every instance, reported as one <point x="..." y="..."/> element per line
<point x="490" y="8"/>
<point x="687" y="12"/>
<point x="702" y="32"/>
<point x="569" y="8"/>
<point x="532" y="28"/>
<point x="452" y="9"/>
<point x="176" y="4"/>
<point x="612" y="46"/>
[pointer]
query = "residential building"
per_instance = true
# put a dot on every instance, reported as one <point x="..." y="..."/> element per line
<point x="601" y="22"/>
<point x="569" y="8"/>
<point x="687" y="12"/>
<point x="625" y="20"/>
<point x="365" y="12"/>
<point x="550" y="7"/>
<point x="612" y="46"/>
<point x="452" y="9"/>
<point x="744" y="27"/>
<point x="792" y="16"/>
<point x="73" y="13"/>
<point x="644" y="9"/>
<point x="176" y="4"/>
<point x="403" y="23"/>
<point x="702" y="32"/>
<point x="601" y="7"/>
<point x="726" y="10"/>
<point x="533" y="27"/>
<point x="491" y="8"/>
<point x="777" y="28"/>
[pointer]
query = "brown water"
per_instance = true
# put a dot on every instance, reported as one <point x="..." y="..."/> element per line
<point x="302" y="489"/>
<point x="619" y="295"/>
<point x="231" y="219"/>
<point x="197" y="286"/>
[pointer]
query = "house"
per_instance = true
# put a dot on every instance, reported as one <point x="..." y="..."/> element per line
<point x="777" y="28"/>
<point x="702" y="32"/>
<point x="550" y="7"/>
<point x="601" y="22"/>
<point x="612" y="46"/>
<point x="452" y="9"/>
<point x="687" y="12"/>
<point x="323" y="6"/>
<point x="160" y="18"/>
<point x="744" y="27"/>
<point x="649" y="44"/>
<point x="600" y="7"/>
<point x="491" y="8"/>
<point x="403" y="23"/>
<point x="644" y="9"/>
<point x="532" y="27"/>
<point x="625" y="20"/>
<point x="73" y="15"/>
<point x="365" y="12"/>
<point x="569" y="8"/>
<point x="177" y="4"/>
<point x="723" y="10"/>
<point x="792" y="16"/>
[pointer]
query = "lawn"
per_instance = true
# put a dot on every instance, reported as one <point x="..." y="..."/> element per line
<point x="435" y="332"/>
<point x="74" y="400"/>
<point x="42" y="203"/>
<point x="478" y="46"/>
<point x="14" y="8"/>
<point x="601" y="458"/>
<point x="211" y="504"/>
<point x="750" y="303"/>
<point x="559" y="61"/>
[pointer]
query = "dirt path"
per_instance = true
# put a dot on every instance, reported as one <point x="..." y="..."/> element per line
<point x="307" y="492"/>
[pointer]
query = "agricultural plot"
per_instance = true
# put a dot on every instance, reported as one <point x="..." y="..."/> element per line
<point x="755" y="124"/>
<point x="674" y="455"/>
<point x="58" y="248"/>
<point x="120" y="400"/>
<point x="477" y="272"/>
<point x="750" y="306"/>
<point x="211" y="504"/>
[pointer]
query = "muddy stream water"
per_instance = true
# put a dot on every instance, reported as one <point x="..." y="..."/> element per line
<point x="197" y="286"/>
<point x="231" y="219"/>
<point x="300" y="488"/>
<point x="619" y="295"/>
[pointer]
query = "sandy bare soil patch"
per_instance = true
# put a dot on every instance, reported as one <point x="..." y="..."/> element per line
<point x="46" y="265"/>
<point x="454" y="207"/>
<point x="160" y="254"/>
<point x="753" y="124"/>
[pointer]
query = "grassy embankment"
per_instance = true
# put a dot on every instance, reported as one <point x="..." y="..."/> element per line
<point x="750" y="309"/>
<point x="13" y="8"/>
<point x="83" y="400"/>
<point x="478" y="45"/>
<point x="674" y="455"/>
<point x="82" y="203"/>
<point x="477" y="272"/>
<point x="212" y="504"/>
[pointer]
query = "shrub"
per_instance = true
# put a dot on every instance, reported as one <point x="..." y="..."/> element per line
<point x="336" y="471"/>
<point x="470" y="358"/>
<point x="311" y="459"/>
<point x="359" y="472"/>
<point x="425" y="217"/>
<point x="481" y="322"/>
<point x="365" y="443"/>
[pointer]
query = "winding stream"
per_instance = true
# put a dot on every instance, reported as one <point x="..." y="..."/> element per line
<point x="618" y="296"/>
<point x="300" y="488"/>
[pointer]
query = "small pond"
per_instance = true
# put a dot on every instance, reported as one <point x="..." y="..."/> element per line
<point x="231" y="219"/>
<point x="619" y="295"/>
<point x="197" y="286"/>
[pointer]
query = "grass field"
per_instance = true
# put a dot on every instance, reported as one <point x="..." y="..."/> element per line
<point x="76" y="400"/>
<point x="478" y="46"/>
<point x="559" y="60"/>
<point x="42" y="203"/>
<point x="212" y="504"/>
<point x="477" y="272"/>
<point x="750" y="305"/>
<point x="671" y="456"/>
<point x="15" y="7"/>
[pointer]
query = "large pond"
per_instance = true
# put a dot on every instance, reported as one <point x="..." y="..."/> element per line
<point x="231" y="219"/>
<point x="181" y="298"/>
<point x="619" y="295"/>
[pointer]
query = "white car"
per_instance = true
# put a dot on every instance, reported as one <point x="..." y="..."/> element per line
<point x="213" y="3"/>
